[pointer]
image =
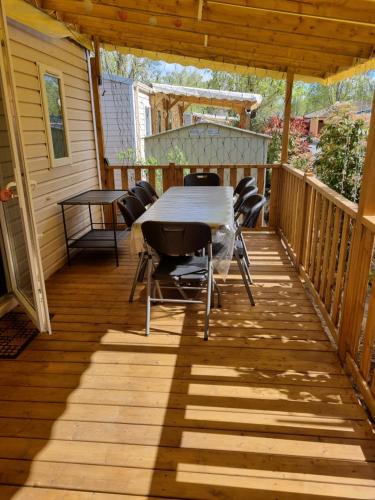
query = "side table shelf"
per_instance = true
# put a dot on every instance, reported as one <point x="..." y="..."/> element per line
<point x="93" y="237"/>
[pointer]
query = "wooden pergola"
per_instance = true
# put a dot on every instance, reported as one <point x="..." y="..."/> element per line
<point x="167" y="98"/>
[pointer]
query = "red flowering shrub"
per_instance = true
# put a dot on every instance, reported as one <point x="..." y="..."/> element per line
<point x="299" y="142"/>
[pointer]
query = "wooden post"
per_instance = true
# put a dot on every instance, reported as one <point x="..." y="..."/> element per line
<point x="244" y="119"/>
<point x="361" y="251"/>
<point x="166" y="113"/>
<point x="181" y="111"/>
<point x="287" y="115"/>
<point x="274" y="197"/>
<point x="106" y="174"/>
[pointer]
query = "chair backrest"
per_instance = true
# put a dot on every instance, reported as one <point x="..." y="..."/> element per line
<point x="176" y="238"/>
<point x="244" y="183"/>
<point x="251" y="208"/>
<point x="149" y="188"/>
<point x="202" y="179"/>
<point x="142" y="195"/>
<point x="131" y="208"/>
<point x="248" y="191"/>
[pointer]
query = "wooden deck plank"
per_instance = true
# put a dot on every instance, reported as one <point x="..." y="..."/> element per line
<point x="263" y="410"/>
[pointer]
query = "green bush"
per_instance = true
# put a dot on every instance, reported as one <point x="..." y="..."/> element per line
<point x="341" y="154"/>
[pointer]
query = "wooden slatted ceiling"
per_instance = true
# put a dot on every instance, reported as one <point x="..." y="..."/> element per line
<point x="315" y="39"/>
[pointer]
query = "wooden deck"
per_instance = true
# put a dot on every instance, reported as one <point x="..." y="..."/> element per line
<point x="262" y="410"/>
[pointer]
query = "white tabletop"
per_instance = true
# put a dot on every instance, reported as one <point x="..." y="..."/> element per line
<point x="212" y="205"/>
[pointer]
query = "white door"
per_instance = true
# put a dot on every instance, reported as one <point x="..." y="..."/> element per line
<point x="16" y="216"/>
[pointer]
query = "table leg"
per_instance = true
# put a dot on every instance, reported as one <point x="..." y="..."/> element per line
<point x="114" y="232"/>
<point x="90" y="217"/>
<point x="66" y="234"/>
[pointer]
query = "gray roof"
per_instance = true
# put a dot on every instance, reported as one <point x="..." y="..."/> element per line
<point x="207" y="93"/>
<point x="202" y="123"/>
<point x="355" y="107"/>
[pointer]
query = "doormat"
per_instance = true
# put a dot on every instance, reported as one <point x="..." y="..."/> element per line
<point x="16" y="332"/>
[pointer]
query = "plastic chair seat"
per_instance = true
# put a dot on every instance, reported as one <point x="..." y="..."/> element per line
<point x="187" y="268"/>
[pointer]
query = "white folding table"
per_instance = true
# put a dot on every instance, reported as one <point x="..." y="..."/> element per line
<point x="212" y="205"/>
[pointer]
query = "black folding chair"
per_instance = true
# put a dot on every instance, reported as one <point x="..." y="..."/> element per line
<point x="142" y="195"/>
<point x="131" y="209"/>
<point x="202" y="179"/>
<point x="244" y="183"/>
<point x="245" y="194"/>
<point x="149" y="188"/>
<point x="178" y="268"/>
<point x="251" y="208"/>
<point x="250" y="211"/>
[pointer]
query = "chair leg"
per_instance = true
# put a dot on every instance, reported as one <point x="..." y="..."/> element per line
<point x="218" y="292"/>
<point x="136" y="276"/>
<point x="208" y="302"/>
<point x="158" y="289"/>
<point x="246" y="255"/>
<point x="244" y="279"/>
<point x="148" y="303"/>
<point x="247" y="271"/>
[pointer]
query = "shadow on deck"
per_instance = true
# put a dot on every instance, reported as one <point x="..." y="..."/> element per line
<point x="262" y="411"/>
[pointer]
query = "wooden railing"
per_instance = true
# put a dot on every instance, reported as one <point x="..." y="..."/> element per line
<point x="332" y="246"/>
<point x="166" y="176"/>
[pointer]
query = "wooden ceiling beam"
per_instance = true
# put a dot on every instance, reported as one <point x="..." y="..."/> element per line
<point x="109" y="33"/>
<point x="130" y="16"/>
<point x="353" y="11"/>
<point x="203" y="53"/>
<point x="240" y="48"/>
<point x="242" y="16"/>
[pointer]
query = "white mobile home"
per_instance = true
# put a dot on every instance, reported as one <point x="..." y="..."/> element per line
<point x="126" y="109"/>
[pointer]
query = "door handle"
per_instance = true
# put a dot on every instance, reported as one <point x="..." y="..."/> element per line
<point x="12" y="186"/>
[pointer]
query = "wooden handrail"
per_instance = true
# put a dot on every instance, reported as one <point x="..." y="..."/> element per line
<point x="211" y="167"/>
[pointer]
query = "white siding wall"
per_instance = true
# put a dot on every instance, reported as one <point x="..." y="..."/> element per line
<point x="118" y="117"/>
<point x="143" y="101"/>
<point x="209" y="143"/>
<point x="54" y="184"/>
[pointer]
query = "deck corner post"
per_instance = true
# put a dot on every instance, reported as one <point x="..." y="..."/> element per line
<point x="361" y="251"/>
<point x="276" y="174"/>
<point x="287" y="116"/>
<point x="106" y="174"/>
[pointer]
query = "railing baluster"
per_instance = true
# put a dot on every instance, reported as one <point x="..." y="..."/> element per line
<point x="327" y="248"/>
<point x="317" y="216"/>
<point x="369" y="338"/>
<point x="233" y="177"/>
<point x="124" y="178"/>
<point x="341" y="267"/>
<point x="332" y="259"/>
<point x="151" y="176"/>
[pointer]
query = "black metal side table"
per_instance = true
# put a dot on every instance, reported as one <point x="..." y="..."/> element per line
<point x="93" y="236"/>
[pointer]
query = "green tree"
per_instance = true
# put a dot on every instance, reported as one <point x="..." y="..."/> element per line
<point x="340" y="158"/>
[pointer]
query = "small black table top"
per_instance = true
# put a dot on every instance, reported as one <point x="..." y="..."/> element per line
<point x="95" y="197"/>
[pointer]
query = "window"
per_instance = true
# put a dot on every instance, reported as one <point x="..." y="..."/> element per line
<point x="159" y="121"/>
<point x="52" y="87"/>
